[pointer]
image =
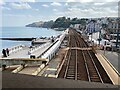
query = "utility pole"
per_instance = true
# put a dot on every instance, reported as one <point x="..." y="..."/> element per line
<point x="99" y="36"/>
<point x="117" y="34"/>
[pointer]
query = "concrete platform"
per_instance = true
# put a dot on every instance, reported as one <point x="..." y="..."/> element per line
<point x="114" y="76"/>
<point x="112" y="57"/>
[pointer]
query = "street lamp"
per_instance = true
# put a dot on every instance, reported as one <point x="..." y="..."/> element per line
<point x="99" y="36"/>
<point x="117" y="35"/>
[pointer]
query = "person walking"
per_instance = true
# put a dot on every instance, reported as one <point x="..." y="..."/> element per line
<point x="7" y="51"/>
<point x="4" y="53"/>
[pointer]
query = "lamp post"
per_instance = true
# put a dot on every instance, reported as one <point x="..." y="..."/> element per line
<point x="104" y="47"/>
<point x="117" y="35"/>
<point x="99" y="36"/>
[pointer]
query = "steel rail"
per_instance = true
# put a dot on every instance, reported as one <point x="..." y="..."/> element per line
<point x="75" y="59"/>
<point x="86" y="66"/>
<point x="76" y="67"/>
<point x="68" y="61"/>
<point x="95" y="67"/>
<point x="88" y="74"/>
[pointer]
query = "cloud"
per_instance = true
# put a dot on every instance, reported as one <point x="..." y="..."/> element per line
<point x="5" y="8"/>
<point x="27" y="0"/>
<point x="55" y="10"/>
<point x="20" y="5"/>
<point x="2" y="2"/>
<point x="66" y="4"/>
<point x="99" y="4"/>
<point x="83" y="1"/>
<point x="36" y="9"/>
<point x="56" y="4"/>
<point x="45" y="5"/>
<point x="90" y="10"/>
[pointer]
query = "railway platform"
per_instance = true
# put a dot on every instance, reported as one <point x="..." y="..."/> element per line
<point x="110" y="70"/>
<point x="112" y="57"/>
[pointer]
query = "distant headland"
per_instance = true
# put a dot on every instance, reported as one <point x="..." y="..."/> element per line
<point x="59" y="24"/>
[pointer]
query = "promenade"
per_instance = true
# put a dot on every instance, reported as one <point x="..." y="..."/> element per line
<point x="23" y="53"/>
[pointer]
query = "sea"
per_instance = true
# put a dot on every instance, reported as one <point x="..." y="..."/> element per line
<point x="23" y="32"/>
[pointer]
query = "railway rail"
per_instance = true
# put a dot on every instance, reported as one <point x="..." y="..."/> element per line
<point x="82" y="64"/>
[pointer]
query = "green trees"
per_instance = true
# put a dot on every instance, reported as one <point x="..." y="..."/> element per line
<point x="63" y="22"/>
<point x="60" y="22"/>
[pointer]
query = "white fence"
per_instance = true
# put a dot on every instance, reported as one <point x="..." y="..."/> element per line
<point x="38" y="47"/>
<point x="16" y="48"/>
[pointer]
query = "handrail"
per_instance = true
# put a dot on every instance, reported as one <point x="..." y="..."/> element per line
<point x="38" y="47"/>
<point x="15" y="48"/>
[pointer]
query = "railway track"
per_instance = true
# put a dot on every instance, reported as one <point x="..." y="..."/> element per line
<point x="81" y="64"/>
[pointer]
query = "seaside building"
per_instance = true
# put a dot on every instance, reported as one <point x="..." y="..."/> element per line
<point x="114" y="30"/>
<point x="77" y="26"/>
<point x="93" y="26"/>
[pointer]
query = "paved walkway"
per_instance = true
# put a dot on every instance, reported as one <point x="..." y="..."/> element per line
<point x="112" y="58"/>
<point x="24" y="52"/>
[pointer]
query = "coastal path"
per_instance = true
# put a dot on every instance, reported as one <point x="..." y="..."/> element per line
<point x="24" y="52"/>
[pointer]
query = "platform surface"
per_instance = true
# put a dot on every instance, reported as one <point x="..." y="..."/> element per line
<point x="112" y="57"/>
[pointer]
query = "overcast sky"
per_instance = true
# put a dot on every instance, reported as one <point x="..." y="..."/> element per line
<point x="20" y="13"/>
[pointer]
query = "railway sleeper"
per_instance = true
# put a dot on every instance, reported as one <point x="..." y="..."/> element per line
<point x="95" y="75"/>
<point x="92" y="69"/>
<point x="95" y="80"/>
<point x="71" y="73"/>
<point x="70" y="77"/>
<point x="71" y="69"/>
<point x="71" y="65"/>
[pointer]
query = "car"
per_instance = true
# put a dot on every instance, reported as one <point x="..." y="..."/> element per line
<point x="108" y="46"/>
<point x="114" y="47"/>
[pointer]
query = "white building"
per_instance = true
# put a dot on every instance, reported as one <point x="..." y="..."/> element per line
<point x="93" y="26"/>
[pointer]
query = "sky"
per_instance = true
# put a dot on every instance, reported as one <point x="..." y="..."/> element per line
<point x="23" y="12"/>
